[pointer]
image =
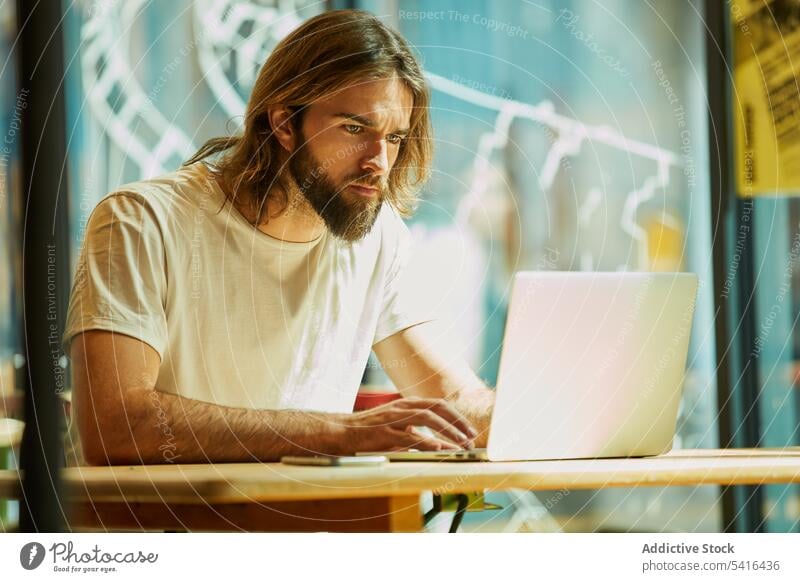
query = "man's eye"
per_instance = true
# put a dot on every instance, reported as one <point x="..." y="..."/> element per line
<point x="394" y="139"/>
<point x="353" y="129"/>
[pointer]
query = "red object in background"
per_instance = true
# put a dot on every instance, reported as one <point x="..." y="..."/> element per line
<point x="367" y="400"/>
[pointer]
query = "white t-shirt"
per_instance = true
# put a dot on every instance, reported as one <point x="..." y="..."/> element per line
<point x="238" y="318"/>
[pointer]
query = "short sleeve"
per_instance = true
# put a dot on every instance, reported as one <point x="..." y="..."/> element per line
<point x="120" y="279"/>
<point x="403" y="303"/>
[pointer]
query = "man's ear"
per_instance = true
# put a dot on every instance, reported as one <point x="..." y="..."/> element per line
<point x="281" y="122"/>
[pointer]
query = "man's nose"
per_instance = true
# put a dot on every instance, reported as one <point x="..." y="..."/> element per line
<point x="376" y="160"/>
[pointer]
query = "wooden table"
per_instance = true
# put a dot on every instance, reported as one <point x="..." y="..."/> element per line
<point x="275" y="497"/>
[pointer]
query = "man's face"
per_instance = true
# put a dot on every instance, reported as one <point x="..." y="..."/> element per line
<point x="348" y="145"/>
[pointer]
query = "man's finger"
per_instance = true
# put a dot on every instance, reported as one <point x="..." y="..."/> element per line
<point x="433" y="421"/>
<point x="414" y="440"/>
<point x="446" y="411"/>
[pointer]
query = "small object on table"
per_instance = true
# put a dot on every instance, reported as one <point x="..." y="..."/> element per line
<point x="328" y="461"/>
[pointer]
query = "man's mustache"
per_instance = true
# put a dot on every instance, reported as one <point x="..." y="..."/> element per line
<point x="367" y="180"/>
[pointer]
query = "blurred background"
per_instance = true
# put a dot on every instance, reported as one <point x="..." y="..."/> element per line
<point x="569" y="135"/>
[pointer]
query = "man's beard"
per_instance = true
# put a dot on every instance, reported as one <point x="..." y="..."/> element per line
<point x="348" y="220"/>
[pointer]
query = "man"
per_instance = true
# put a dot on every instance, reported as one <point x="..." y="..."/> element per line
<point x="226" y="312"/>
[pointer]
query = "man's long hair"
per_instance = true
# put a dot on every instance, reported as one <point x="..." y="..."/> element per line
<point x="326" y="54"/>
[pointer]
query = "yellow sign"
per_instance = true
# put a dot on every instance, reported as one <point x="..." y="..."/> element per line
<point x="766" y="96"/>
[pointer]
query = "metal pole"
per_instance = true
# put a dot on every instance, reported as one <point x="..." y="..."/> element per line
<point x="737" y="379"/>
<point x="45" y="259"/>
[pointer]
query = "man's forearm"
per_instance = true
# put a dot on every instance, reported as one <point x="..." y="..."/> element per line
<point x="165" y="428"/>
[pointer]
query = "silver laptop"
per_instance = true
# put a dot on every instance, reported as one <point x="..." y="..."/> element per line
<point x="592" y="366"/>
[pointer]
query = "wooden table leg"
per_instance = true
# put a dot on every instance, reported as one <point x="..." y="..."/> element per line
<point x="379" y="514"/>
<point x="405" y="514"/>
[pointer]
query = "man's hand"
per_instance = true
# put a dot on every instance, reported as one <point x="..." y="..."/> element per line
<point x="419" y="362"/>
<point x="391" y="426"/>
